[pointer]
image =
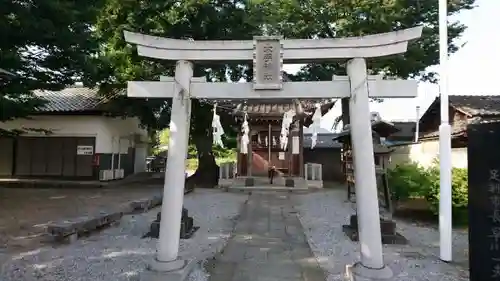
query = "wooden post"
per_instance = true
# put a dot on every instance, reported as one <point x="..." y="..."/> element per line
<point x="296" y="154"/>
<point x="250" y="156"/>
<point x="289" y="155"/>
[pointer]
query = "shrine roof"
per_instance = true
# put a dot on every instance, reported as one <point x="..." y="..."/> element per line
<point x="323" y="141"/>
<point x="380" y="128"/>
<point x="269" y="109"/>
<point x="406" y="129"/>
<point x="257" y="109"/>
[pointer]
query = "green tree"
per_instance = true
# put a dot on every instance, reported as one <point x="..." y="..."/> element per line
<point x="198" y="20"/>
<point x="47" y="44"/>
<point x="233" y="20"/>
<point x="334" y="19"/>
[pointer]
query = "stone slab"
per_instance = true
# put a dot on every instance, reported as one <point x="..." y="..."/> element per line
<point x="146" y="203"/>
<point x="268" y="243"/>
<point x="80" y="225"/>
<point x="70" y="229"/>
<point x="250" y="189"/>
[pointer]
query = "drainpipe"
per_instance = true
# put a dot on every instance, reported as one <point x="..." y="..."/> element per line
<point x="113" y="156"/>
<point x="417" y="121"/>
<point x="119" y="154"/>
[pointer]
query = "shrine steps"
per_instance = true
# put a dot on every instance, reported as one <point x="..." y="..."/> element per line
<point x="280" y="184"/>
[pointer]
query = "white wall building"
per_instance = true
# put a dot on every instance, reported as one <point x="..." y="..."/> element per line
<point x="81" y="143"/>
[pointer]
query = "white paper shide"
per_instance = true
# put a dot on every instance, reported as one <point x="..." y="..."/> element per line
<point x="245" y="140"/>
<point x="218" y="131"/>
<point x="315" y="126"/>
<point x="285" y="128"/>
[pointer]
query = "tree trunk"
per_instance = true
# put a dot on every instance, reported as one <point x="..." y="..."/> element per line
<point x="207" y="173"/>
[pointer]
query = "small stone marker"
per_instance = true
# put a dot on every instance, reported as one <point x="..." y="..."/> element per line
<point x="387" y="225"/>
<point x="484" y="201"/>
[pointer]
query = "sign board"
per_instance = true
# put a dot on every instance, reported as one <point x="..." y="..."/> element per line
<point x="484" y="201"/>
<point x="85" y="150"/>
<point x="267" y="63"/>
<point x="281" y="155"/>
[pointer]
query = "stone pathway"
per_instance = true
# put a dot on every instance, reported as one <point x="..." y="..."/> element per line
<point x="268" y="244"/>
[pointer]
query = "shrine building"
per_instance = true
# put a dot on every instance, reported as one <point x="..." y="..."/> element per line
<point x="264" y="149"/>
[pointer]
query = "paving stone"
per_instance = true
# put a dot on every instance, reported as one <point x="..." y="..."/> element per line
<point x="268" y="244"/>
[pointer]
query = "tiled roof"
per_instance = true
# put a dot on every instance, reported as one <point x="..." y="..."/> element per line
<point x="406" y="130"/>
<point x="323" y="141"/>
<point x="474" y="105"/>
<point x="477" y="105"/>
<point x="481" y="106"/>
<point x="380" y="128"/>
<point x="74" y="99"/>
<point x="279" y="107"/>
<point x="456" y="131"/>
<point x="268" y="108"/>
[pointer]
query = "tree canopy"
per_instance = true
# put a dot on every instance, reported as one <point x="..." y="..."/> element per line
<point x="198" y="20"/>
<point x="47" y="44"/>
<point x="233" y="20"/>
<point x="333" y="19"/>
<point x="52" y="43"/>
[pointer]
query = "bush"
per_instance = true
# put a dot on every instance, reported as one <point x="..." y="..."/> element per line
<point x="406" y="181"/>
<point x="459" y="184"/>
<point x="411" y="180"/>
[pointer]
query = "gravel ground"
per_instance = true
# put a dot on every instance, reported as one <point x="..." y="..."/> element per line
<point x="323" y="213"/>
<point x="25" y="212"/>
<point x="119" y="252"/>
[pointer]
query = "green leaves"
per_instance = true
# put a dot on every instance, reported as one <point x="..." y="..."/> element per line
<point x="410" y="180"/>
<point x="334" y="19"/>
<point x="199" y="20"/>
<point x="48" y="45"/>
<point x="238" y="20"/>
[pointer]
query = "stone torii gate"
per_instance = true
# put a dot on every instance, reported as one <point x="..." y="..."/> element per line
<point x="268" y="54"/>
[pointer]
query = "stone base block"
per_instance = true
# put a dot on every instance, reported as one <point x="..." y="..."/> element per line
<point x="249" y="181"/>
<point x="159" y="271"/>
<point x="358" y="272"/>
<point x="314" y="184"/>
<point x="187" y="226"/>
<point x="289" y="182"/>
<point x="387" y="227"/>
<point x="224" y="183"/>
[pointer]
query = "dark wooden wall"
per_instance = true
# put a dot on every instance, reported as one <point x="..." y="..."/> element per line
<point x="330" y="159"/>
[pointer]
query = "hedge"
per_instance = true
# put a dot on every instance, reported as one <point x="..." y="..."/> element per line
<point x="411" y="180"/>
